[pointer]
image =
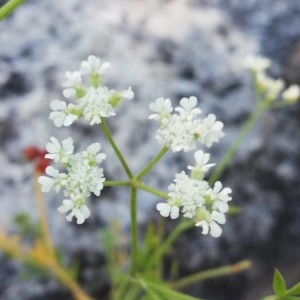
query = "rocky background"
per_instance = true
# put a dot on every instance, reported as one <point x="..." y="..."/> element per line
<point x="170" y="48"/>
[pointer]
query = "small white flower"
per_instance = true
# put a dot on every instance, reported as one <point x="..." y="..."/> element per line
<point x="92" y="155"/>
<point x="59" y="152"/>
<point x="257" y="64"/>
<point x="127" y="94"/>
<point x="72" y="84"/>
<point x="61" y="114"/>
<point x="162" y="109"/>
<point x="188" y="107"/>
<point x="182" y="130"/>
<point x="211" y="130"/>
<point x="291" y="94"/>
<point x="73" y="79"/>
<point x="78" y="209"/>
<point x="211" y="224"/>
<point x="219" y="197"/>
<point x="93" y="65"/>
<point x="56" y="180"/>
<point x="202" y="165"/>
<point x="166" y="210"/>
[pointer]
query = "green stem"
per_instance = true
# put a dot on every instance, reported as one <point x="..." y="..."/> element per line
<point x="151" y="190"/>
<point x="153" y="161"/>
<point x="134" y="230"/>
<point x="164" y="291"/>
<point x="182" y="226"/>
<point x="212" y="273"/>
<point x="9" y="7"/>
<point x="235" y="145"/>
<point x="115" y="147"/>
<point x="121" y="289"/>
<point x="116" y="183"/>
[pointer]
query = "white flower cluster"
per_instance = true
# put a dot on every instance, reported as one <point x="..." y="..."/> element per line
<point x="180" y="128"/>
<point x="83" y="176"/>
<point x="270" y="88"/>
<point x="92" y="101"/>
<point x="195" y="199"/>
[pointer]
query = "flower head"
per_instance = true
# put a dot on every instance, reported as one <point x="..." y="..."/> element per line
<point x="183" y="129"/>
<point x="82" y="176"/>
<point x="269" y="86"/>
<point x="257" y="64"/>
<point x="195" y="199"/>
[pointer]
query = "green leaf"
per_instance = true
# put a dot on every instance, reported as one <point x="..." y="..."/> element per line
<point x="294" y="290"/>
<point x="166" y="292"/>
<point x="279" y="284"/>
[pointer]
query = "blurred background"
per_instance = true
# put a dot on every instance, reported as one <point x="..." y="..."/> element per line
<point x="169" y="48"/>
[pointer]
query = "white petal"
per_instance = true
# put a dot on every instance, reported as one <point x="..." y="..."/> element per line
<point x="105" y="66"/>
<point x="58" y="105"/>
<point x="69" y="119"/>
<point x="127" y="94"/>
<point x="204" y="226"/>
<point x="215" y="229"/>
<point x="85" y="211"/>
<point x="46" y="183"/>
<point x="68" y="145"/>
<point x="70" y="92"/>
<point x="164" y="209"/>
<point x="57" y="117"/>
<point x="218" y="216"/>
<point x="94" y="148"/>
<point x="70" y="217"/>
<point x="53" y="146"/>
<point x="217" y="187"/>
<point x="63" y="209"/>
<point x="174" y="212"/>
<point x="51" y="171"/>
<point x="221" y="206"/>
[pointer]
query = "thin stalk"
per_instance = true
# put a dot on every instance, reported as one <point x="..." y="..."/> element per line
<point x="121" y="288"/>
<point x="133" y="293"/>
<point x="153" y="161"/>
<point x="115" y="147"/>
<point x="212" y="273"/>
<point x="166" y="292"/>
<point x="134" y="230"/>
<point x="9" y="7"/>
<point x="235" y="145"/>
<point x="116" y="183"/>
<point x="78" y="293"/>
<point x="46" y="237"/>
<point x="151" y="190"/>
<point x="182" y="226"/>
